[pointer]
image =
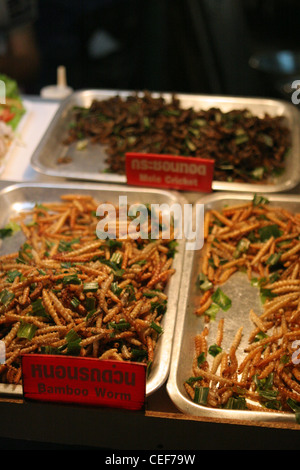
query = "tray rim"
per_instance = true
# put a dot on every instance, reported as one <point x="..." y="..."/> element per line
<point x="216" y="185"/>
<point x="183" y="403"/>
<point x="161" y="376"/>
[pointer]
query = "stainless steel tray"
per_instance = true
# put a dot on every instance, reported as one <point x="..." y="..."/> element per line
<point x="243" y="296"/>
<point x="89" y="164"/>
<point x="17" y="197"/>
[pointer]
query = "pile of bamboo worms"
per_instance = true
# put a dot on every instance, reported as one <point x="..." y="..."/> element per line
<point x="263" y="241"/>
<point x="66" y="291"/>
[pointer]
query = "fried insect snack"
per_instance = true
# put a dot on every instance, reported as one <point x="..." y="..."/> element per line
<point x="263" y="241"/>
<point x="245" y="147"/>
<point x="66" y="291"/>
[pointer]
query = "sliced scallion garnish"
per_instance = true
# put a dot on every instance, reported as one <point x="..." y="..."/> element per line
<point x="201" y="394"/>
<point x="71" y="279"/>
<point x="90" y="286"/>
<point x="6" y="297"/>
<point x="221" y="299"/>
<point x="26" y="330"/>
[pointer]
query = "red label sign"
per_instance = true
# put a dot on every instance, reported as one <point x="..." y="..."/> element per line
<point x="84" y="381"/>
<point x="168" y="171"/>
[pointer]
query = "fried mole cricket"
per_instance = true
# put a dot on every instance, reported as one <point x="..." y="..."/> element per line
<point x="245" y="147"/>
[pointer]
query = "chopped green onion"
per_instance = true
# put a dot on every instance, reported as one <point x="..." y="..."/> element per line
<point x="24" y="254"/>
<point x="41" y="272"/>
<point x="264" y="387"/>
<point x="115" y="288"/>
<point x="90" y="286"/>
<point x="149" y="366"/>
<point x="146" y="122"/>
<point x="71" y="279"/>
<point x="41" y="207"/>
<point x="156" y="327"/>
<point x="266" y="294"/>
<point x="26" y="330"/>
<point x="241" y="139"/>
<point x="138" y="354"/>
<point x="50" y="350"/>
<point x="90" y="303"/>
<point x="242" y="247"/>
<point x="295" y="406"/>
<point x="113" y="243"/>
<point x="273" y="259"/>
<point x="67" y="245"/>
<point x="195" y="132"/>
<point x="212" y="311"/>
<point x="263" y="384"/>
<point x="257" y="282"/>
<point x="66" y="265"/>
<point x="129" y="290"/>
<point x="122" y="325"/>
<point x="257" y="200"/>
<point x="5" y="232"/>
<point x="269" y="231"/>
<point x="90" y="314"/>
<point x="201" y="359"/>
<point x="38" y="308"/>
<point x="269" y="394"/>
<point x="258" y="173"/>
<point x="221" y="299"/>
<point x="203" y="283"/>
<point x="191" y="146"/>
<point x="171" y="112"/>
<point x="160" y="307"/>
<point x="151" y="293"/>
<point x="236" y="403"/>
<point x="81" y="144"/>
<point x="191" y="380"/>
<point x="214" y="350"/>
<point x="274" y="277"/>
<point x="267" y="140"/>
<point x="75" y="302"/>
<point x="260" y="336"/>
<point x="285" y="359"/>
<point x="117" y="271"/>
<point x="199" y="122"/>
<point x="116" y="258"/>
<point x="201" y="394"/>
<point x="73" y="342"/>
<point x="6" y="297"/>
<point x="9" y="230"/>
<point x="11" y="275"/>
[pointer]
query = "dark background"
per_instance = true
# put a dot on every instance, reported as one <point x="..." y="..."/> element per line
<point x="190" y="46"/>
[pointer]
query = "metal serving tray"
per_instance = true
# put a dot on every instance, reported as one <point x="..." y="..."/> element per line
<point x="243" y="295"/>
<point x="89" y="164"/>
<point x="17" y="197"/>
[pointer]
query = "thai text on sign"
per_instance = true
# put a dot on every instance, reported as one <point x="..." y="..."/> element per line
<point x="84" y="380"/>
<point x="168" y="171"/>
